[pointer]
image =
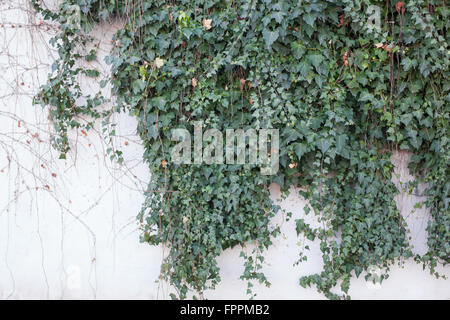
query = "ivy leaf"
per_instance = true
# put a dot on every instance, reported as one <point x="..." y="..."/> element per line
<point x="300" y="226"/>
<point x="92" y="73"/>
<point x="158" y="102"/>
<point x="310" y="19"/>
<point x="91" y="56"/>
<point x="291" y="135"/>
<point x="408" y="64"/>
<point x="341" y="142"/>
<point x="304" y="68"/>
<point x="152" y="127"/>
<point x="324" y="145"/>
<point x="133" y="59"/>
<point x="424" y="68"/>
<point x="297" y="49"/>
<point x="316" y="60"/>
<point x="366" y="96"/>
<point x="300" y="149"/>
<point x="278" y="16"/>
<point x="138" y="86"/>
<point x="270" y="37"/>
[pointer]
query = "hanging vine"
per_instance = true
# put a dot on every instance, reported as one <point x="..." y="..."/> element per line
<point x="344" y="93"/>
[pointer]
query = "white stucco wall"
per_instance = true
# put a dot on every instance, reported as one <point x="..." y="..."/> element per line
<point x="68" y="228"/>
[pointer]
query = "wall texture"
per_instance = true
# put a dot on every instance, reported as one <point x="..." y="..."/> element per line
<point x="68" y="228"/>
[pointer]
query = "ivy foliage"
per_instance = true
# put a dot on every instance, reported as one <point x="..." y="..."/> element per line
<point x="343" y="92"/>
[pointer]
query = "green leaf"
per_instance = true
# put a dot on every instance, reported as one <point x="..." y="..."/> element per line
<point x="304" y="68"/>
<point x="159" y="102"/>
<point x="316" y="60"/>
<point x="366" y="96"/>
<point x="270" y="37"/>
<point x="92" y="73"/>
<point x="309" y="19"/>
<point x="138" y="86"/>
<point x="408" y="63"/>
<point x="278" y="16"/>
<point x="324" y="145"/>
<point x="341" y="142"/>
<point x="300" y="149"/>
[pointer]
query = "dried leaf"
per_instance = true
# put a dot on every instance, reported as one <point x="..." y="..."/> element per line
<point x="400" y="7"/>
<point x="207" y="23"/>
<point x="242" y="84"/>
<point x="342" y="21"/>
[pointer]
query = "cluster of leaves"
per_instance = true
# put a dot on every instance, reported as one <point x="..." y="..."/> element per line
<point x="342" y="92"/>
<point x="62" y="91"/>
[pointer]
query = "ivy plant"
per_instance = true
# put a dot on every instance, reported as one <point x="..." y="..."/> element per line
<point x="346" y="83"/>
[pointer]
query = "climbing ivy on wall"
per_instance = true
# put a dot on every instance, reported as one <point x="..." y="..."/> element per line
<point x="344" y="87"/>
